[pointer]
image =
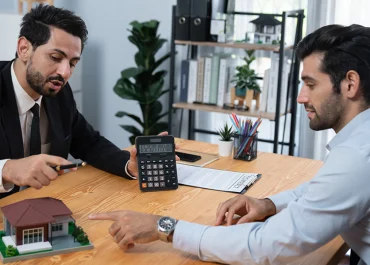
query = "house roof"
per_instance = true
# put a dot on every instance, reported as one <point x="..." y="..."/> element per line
<point x="32" y="212"/>
<point x="266" y="20"/>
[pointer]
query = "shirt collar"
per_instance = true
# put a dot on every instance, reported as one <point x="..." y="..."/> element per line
<point x="347" y="130"/>
<point x="24" y="101"/>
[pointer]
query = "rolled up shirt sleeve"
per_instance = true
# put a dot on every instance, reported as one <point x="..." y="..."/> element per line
<point x="316" y="214"/>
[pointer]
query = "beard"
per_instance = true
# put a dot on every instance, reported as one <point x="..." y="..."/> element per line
<point x="330" y="114"/>
<point x="39" y="83"/>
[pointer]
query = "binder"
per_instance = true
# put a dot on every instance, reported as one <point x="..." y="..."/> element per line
<point x="182" y="28"/>
<point x="200" y="20"/>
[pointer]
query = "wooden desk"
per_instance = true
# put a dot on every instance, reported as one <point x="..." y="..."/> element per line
<point x="90" y="190"/>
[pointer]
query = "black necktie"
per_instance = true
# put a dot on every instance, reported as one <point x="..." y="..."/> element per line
<point x="35" y="141"/>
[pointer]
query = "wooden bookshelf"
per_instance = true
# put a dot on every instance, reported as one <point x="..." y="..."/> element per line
<point x="237" y="45"/>
<point x="210" y="108"/>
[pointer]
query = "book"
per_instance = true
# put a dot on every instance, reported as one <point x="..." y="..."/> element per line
<point x="184" y="81"/>
<point x="192" y="82"/>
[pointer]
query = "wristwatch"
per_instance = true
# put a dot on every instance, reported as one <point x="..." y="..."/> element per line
<point x="166" y="225"/>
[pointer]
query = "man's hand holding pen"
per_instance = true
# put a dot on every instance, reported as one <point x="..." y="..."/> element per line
<point x="34" y="171"/>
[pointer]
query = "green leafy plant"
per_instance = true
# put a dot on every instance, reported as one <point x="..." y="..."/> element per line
<point x="10" y="251"/>
<point x="246" y="78"/>
<point x="144" y="83"/>
<point x="226" y="133"/>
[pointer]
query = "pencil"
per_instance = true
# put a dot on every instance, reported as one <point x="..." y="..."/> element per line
<point x="62" y="167"/>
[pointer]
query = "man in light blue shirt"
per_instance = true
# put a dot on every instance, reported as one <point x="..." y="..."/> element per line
<point x="336" y="94"/>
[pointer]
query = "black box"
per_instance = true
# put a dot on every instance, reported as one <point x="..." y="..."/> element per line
<point x="200" y="20"/>
<point x="182" y="31"/>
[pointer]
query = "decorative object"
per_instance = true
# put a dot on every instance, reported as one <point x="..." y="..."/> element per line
<point x="30" y="2"/>
<point x="267" y="29"/>
<point x="144" y="83"/>
<point x="39" y="227"/>
<point x="225" y="143"/>
<point x="245" y="79"/>
<point x="245" y="138"/>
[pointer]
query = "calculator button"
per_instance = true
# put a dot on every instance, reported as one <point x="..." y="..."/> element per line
<point x="156" y="184"/>
<point x="159" y="161"/>
<point x="154" y="161"/>
<point x="166" y="166"/>
<point x="161" y="178"/>
<point x="143" y="179"/>
<point x="171" y="160"/>
<point x="143" y="185"/>
<point x="155" y="166"/>
<point x="160" y="166"/>
<point x="155" y="178"/>
<point x="148" y="161"/>
<point x="150" y="185"/>
<point x="142" y="167"/>
<point x="167" y="172"/>
<point x="166" y="161"/>
<point x="162" y="184"/>
<point x="149" y="166"/>
<point x="150" y="178"/>
<point x="161" y="172"/>
<point x="149" y="172"/>
<point x="143" y="173"/>
<point x="172" y="166"/>
<point x="155" y="172"/>
<point x="142" y="162"/>
<point x="173" y="172"/>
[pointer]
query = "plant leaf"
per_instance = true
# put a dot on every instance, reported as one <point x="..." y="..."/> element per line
<point x="131" y="129"/>
<point x="158" y="128"/>
<point x="121" y="114"/>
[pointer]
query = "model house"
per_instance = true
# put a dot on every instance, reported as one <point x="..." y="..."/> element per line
<point x="32" y="224"/>
<point x="267" y="29"/>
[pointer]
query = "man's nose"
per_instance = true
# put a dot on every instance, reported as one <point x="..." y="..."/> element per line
<point x="303" y="96"/>
<point x="64" y="70"/>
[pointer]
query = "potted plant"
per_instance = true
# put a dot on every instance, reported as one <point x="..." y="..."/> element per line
<point x="144" y="83"/>
<point x="225" y="143"/>
<point x="246" y="79"/>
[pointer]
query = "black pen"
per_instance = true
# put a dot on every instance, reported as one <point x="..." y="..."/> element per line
<point x="62" y="167"/>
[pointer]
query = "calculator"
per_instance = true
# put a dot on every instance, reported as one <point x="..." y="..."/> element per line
<point x="156" y="160"/>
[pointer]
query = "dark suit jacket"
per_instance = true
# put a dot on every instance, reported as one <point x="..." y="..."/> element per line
<point x="69" y="131"/>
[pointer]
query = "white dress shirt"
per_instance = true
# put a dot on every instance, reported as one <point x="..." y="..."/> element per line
<point x="24" y="105"/>
<point x="335" y="202"/>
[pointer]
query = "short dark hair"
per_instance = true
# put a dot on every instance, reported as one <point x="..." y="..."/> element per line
<point x="35" y="26"/>
<point x="344" y="48"/>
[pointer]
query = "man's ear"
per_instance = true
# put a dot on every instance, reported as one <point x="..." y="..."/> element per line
<point x="351" y="88"/>
<point x="24" y="49"/>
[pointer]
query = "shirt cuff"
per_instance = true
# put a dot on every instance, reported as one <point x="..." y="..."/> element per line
<point x="126" y="170"/>
<point x="281" y="200"/>
<point x="187" y="237"/>
<point x="4" y="187"/>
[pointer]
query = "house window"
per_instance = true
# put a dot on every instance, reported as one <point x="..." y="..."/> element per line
<point x="56" y="227"/>
<point x="270" y="29"/>
<point x="33" y="235"/>
<point x="268" y="39"/>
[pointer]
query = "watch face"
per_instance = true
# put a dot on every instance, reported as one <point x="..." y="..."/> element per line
<point x="167" y="223"/>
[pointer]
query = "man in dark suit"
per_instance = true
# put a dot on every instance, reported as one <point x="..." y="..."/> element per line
<point x="39" y="122"/>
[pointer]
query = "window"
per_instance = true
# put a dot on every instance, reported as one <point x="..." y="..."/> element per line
<point x="268" y="39"/>
<point x="56" y="227"/>
<point x="33" y="235"/>
<point x="270" y="29"/>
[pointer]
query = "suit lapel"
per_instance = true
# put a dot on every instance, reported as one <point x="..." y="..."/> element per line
<point x="9" y="114"/>
<point x="55" y="125"/>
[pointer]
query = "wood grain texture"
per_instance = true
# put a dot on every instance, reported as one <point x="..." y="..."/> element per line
<point x="209" y="108"/>
<point x="90" y="190"/>
<point x="236" y="45"/>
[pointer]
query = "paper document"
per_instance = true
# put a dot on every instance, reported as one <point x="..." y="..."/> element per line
<point x="215" y="179"/>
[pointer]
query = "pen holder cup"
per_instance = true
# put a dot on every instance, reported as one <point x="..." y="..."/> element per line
<point x="245" y="147"/>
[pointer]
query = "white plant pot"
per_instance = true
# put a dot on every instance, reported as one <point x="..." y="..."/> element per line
<point x="225" y="148"/>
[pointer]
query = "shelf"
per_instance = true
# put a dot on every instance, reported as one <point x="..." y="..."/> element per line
<point x="237" y="45"/>
<point x="209" y="108"/>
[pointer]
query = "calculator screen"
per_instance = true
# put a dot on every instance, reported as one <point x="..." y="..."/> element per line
<point x="155" y="148"/>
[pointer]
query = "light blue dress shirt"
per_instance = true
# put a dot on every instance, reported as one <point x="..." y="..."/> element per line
<point x="335" y="202"/>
